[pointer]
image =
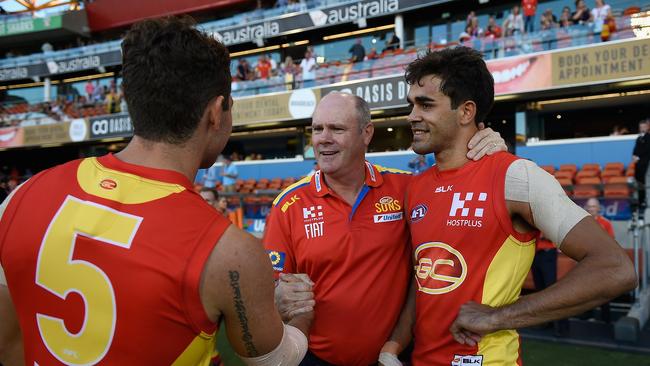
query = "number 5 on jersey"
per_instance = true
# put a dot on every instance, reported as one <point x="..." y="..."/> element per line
<point x="61" y="275"/>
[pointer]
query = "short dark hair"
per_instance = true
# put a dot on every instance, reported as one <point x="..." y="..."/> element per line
<point x="463" y="76"/>
<point x="171" y="71"/>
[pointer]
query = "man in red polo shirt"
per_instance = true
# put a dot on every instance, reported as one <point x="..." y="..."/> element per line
<point x="343" y="230"/>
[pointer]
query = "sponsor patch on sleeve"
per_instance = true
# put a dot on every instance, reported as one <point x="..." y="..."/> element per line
<point x="277" y="259"/>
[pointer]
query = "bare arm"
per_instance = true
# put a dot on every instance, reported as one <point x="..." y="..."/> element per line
<point x="403" y="331"/>
<point x="485" y="141"/>
<point x="602" y="273"/>
<point x="11" y="341"/>
<point x="238" y="284"/>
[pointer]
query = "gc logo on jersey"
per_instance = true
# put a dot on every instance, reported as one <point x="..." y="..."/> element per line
<point x="440" y="268"/>
<point x="277" y="259"/>
<point x="418" y="213"/>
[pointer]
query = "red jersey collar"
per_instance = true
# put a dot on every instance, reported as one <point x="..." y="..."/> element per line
<point x="110" y="161"/>
<point x="320" y="188"/>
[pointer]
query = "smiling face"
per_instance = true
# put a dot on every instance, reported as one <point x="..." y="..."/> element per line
<point x="338" y="138"/>
<point x="433" y="122"/>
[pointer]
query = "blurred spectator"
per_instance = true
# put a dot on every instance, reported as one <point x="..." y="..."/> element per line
<point x="296" y="5"/>
<point x="474" y="29"/>
<point x="544" y="271"/>
<point x="372" y="55"/>
<point x="274" y="65"/>
<point x="308" y="68"/>
<point x="529" y="8"/>
<point x="641" y="156"/>
<point x="593" y="207"/>
<point x="263" y="68"/>
<point x="210" y="177"/>
<point x="465" y="35"/>
<point x="222" y="205"/>
<point x="418" y="164"/>
<point x="565" y="17"/>
<point x="582" y="14"/>
<point x="281" y="4"/>
<point x="599" y="16"/>
<point x="112" y="101"/>
<point x="289" y="70"/>
<point x="90" y="89"/>
<point x="493" y="29"/>
<point x="209" y="195"/>
<point x="47" y="47"/>
<point x="392" y="44"/>
<point x="357" y="51"/>
<point x="547" y="34"/>
<point x="97" y="92"/>
<point x="514" y="23"/>
<point x="468" y="20"/>
<point x="619" y="130"/>
<point x="244" y="71"/>
<point x="229" y="175"/>
<point x="548" y="15"/>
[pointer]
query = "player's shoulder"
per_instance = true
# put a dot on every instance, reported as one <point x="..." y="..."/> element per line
<point x="288" y="193"/>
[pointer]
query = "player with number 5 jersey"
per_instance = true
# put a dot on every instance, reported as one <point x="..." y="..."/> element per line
<point x="117" y="260"/>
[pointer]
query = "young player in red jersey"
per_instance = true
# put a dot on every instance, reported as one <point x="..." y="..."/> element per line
<point x="473" y="226"/>
<point x="344" y="228"/>
<point x="116" y="260"/>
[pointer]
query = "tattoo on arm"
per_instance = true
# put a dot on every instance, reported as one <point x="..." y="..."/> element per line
<point x="247" y="337"/>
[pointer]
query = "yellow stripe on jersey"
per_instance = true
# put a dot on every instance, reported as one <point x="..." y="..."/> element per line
<point x="121" y="187"/>
<point x="299" y="183"/>
<point x="200" y="352"/>
<point x="383" y="169"/>
<point x="502" y="286"/>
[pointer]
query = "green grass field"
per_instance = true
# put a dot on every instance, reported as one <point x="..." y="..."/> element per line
<point x="535" y="353"/>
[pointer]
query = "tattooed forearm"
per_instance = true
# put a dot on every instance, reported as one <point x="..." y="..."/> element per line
<point x="247" y="337"/>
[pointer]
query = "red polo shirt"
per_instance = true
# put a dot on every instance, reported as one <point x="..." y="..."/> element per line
<point x="357" y="256"/>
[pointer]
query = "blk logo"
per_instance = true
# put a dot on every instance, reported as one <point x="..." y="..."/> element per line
<point x="459" y="205"/>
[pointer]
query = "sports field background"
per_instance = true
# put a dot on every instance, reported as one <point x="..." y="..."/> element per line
<point x="535" y="353"/>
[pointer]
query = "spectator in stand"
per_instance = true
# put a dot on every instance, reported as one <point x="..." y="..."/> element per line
<point x="372" y="55"/>
<point x="97" y="93"/>
<point x="229" y="175"/>
<point x="90" y="88"/>
<point x="210" y="177"/>
<point x="112" y="102"/>
<point x="547" y="34"/>
<point x="468" y="20"/>
<point x="641" y="156"/>
<point x="47" y="47"/>
<point x="593" y="207"/>
<point x="392" y="44"/>
<point x="308" y="68"/>
<point x="274" y="65"/>
<point x="475" y="29"/>
<point x="222" y="205"/>
<point x="418" y="165"/>
<point x="530" y="8"/>
<point x="565" y="18"/>
<point x="465" y="37"/>
<point x="514" y="23"/>
<point x="244" y="71"/>
<point x="263" y="68"/>
<point x="357" y="51"/>
<point x="548" y="15"/>
<point x="582" y="14"/>
<point x="289" y="70"/>
<point x="493" y="29"/>
<point x="599" y="16"/>
<point x="209" y="195"/>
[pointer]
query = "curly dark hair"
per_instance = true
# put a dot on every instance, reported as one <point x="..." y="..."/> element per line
<point x="171" y="71"/>
<point x="463" y="76"/>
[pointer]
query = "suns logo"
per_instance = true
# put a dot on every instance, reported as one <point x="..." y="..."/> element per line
<point x="108" y="184"/>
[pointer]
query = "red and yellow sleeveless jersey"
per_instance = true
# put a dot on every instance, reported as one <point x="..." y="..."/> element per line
<point x="465" y="249"/>
<point x="357" y="256"/>
<point x="103" y="261"/>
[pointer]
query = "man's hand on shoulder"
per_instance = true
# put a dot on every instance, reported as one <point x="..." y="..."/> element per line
<point x="485" y="142"/>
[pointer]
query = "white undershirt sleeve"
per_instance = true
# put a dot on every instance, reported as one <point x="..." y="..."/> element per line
<point x="553" y="212"/>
